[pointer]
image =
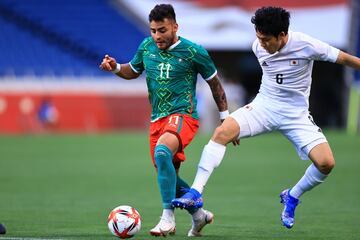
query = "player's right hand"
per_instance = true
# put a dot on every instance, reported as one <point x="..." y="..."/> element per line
<point x="108" y="63"/>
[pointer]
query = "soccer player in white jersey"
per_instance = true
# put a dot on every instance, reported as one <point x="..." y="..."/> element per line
<point x="286" y="59"/>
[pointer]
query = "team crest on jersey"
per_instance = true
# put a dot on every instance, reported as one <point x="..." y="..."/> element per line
<point x="294" y="62"/>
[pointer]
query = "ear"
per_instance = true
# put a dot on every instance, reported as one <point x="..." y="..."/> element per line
<point x="176" y="27"/>
<point x="282" y="34"/>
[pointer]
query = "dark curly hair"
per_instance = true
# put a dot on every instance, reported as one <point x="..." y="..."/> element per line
<point x="162" y="11"/>
<point x="271" y="20"/>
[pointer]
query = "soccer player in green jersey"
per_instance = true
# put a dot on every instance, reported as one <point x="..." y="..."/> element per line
<point x="172" y="64"/>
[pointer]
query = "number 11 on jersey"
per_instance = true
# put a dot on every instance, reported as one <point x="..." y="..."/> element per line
<point x="164" y="67"/>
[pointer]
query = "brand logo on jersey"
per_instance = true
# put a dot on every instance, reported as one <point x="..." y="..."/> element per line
<point x="264" y="64"/>
<point x="152" y="55"/>
<point x="294" y="62"/>
<point x="180" y="60"/>
<point x="248" y="107"/>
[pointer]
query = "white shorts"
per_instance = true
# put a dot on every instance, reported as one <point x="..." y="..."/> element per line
<point x="255" y="118"/>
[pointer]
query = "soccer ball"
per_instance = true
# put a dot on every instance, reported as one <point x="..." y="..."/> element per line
<point x="124" y="221"/>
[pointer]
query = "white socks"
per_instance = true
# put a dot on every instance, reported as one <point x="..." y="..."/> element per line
<point x="198" y="214"/>
<point x="211" y="157"/>
<point x="311" y="178"/>
<point x="168" y="214"/>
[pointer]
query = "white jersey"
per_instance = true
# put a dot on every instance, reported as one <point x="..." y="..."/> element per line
<point x="286" y="79"/>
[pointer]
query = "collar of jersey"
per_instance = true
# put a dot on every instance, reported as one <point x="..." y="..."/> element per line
<point x="175" y="44"/>
<point x="287" y="43"/>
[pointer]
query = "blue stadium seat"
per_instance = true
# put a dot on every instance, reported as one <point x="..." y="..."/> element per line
<point x="63" y="37"/>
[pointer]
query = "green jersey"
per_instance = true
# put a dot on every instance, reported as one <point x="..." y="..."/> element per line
<point x="171" y="75"/>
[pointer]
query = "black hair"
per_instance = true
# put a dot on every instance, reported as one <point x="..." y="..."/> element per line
<point x="271" y="20"/>
<point x="162" y="11"/>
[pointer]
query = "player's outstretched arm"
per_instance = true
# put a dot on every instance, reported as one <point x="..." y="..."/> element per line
<point x="348" y="60"/>
<point x="122" y="70"/>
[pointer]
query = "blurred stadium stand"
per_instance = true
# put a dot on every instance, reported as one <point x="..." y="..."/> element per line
<point x="50" y="52"/>
<point x="63" y="37"/>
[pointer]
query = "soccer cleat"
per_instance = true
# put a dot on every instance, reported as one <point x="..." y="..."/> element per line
<point x="190" y="200"/>
<point x="198" y="224"/>
<point x="290" y="203"/>
<point x="164" y="227"/>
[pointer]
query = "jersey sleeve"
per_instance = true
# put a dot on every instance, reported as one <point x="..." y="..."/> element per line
<point x="137" y="63"/>
<point x="321" y="51"/>
<point x="204" y="64"/>
<point x="254" y="46"/>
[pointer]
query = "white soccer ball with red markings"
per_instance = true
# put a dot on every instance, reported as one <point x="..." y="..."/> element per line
<point x="124" y="221"/>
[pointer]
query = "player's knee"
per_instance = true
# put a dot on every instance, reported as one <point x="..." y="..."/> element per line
<point x="162" y="155"/>
<point x="326" y="164"/>
<point x="222" y="135"/>
<point x="330" y="163"/>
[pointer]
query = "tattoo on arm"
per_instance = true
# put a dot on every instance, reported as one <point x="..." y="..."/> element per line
<point x="218" y="93"/>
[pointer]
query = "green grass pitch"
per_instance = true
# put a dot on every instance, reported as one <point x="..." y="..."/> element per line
<point x="64" y="186"/>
